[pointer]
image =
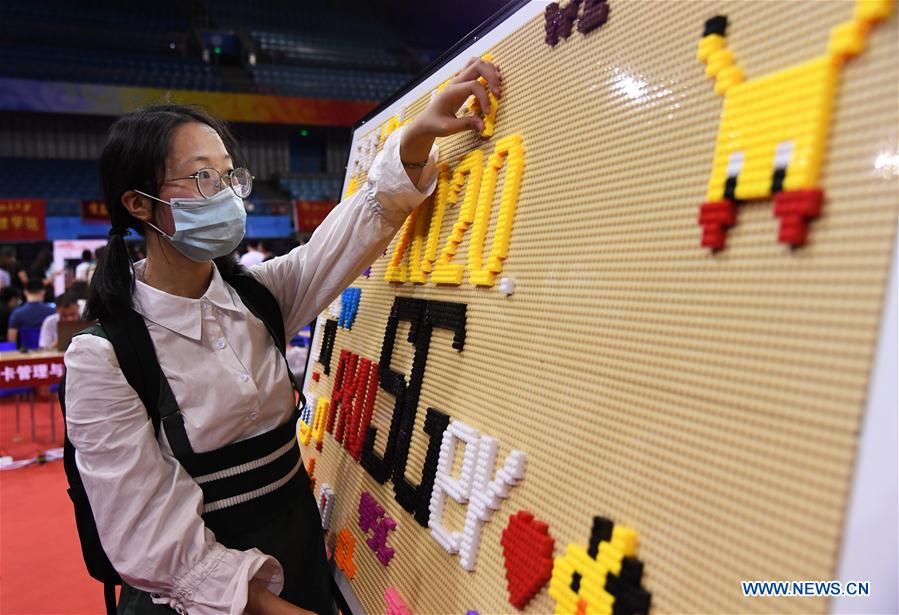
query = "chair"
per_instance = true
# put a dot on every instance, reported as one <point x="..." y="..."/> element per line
<point x="29" y="337"/>
<point x="54" y="392"/>
<point x="17" y="392"/>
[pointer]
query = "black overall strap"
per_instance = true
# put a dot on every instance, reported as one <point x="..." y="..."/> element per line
<point x="137" y="358"/>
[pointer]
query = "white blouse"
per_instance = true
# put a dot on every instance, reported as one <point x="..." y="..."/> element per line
<point x="230" y="382"/>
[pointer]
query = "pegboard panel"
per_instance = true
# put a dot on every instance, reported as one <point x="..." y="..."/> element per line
<point x="703" y="398"/>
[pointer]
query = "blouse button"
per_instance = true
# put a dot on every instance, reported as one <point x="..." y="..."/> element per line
<point x="244" y="377"/>
<point x="220" y="344"/>
<point x="254" y="415"/>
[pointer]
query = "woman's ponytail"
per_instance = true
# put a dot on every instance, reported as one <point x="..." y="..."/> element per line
<point x="113" y="282"/>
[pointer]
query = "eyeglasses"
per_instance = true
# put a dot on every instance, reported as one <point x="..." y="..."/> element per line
<point x="210" y="182"/>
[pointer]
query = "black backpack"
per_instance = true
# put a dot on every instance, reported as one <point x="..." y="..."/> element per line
<point x="137" y="358"/>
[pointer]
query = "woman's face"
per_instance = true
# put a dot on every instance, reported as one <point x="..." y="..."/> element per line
<point x="193" y="146"/>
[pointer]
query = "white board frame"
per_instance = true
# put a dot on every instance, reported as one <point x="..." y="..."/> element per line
<point x="870" y="550"/>
<point x="479" y="46"/>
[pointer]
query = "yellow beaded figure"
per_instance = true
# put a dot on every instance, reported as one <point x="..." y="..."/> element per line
<point x="774" y="128"/>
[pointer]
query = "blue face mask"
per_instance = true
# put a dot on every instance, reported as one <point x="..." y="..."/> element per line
<point x="205" y="228"/>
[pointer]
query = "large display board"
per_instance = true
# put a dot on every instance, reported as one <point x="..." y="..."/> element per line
<point x="620" y="361"/>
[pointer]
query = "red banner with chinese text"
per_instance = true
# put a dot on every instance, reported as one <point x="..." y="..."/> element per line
<point x="23" y="219"/>
<point x="94" y="211"/>
<point x="40" y="371"/>
<point x="307" y="215"/>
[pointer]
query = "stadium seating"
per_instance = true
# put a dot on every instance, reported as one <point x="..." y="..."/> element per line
<point x="56" y="64"/>
<point x="160" y="16"/>
<point x="313" y="189"/>
<point x="303" y="53"/>
<point x="327" y="83"/>
<point x="322" y="49"/>
<point x="308" y="53"/>
<point x="64" y="183"/>
<point x="284" y="15"/>
<point x="284" y="35"/>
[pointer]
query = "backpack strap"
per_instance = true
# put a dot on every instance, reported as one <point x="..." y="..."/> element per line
<point x="137" y="358"/>
<point x="109" y="598"/>
<point x="262" y="303"/>
<point x="98" y="564"/>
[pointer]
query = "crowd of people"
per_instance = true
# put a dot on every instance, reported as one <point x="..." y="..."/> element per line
<point x="30" y="311"/>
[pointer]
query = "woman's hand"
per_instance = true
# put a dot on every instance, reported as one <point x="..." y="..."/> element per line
<point x="439" y="118"/>
<point x="260" y="601"/>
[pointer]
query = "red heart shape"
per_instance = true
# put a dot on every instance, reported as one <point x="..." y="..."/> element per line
<point x="528" y="550"/>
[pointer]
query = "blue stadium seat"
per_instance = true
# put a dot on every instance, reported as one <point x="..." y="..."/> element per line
<point x="59" y="64"/>
<point x="328" y="83"/>
<point x="311" y="188"/>
<point x="64" y="182"/>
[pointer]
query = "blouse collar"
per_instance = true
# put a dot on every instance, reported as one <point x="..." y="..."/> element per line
<point x="181" y="315"/>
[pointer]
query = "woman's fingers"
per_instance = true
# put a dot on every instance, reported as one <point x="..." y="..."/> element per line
<point x="459" y="93"/>
<point x="476" y="67"/>
<point x="477" y="78"/>
<point x="458" y="124"/>
<point x="480" y="92"/>
<point x="491" y="74"/>
<point x="455" y="95"/>
<point x="462" y="75"/>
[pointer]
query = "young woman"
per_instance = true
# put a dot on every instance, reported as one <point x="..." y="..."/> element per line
<point x="174" y="174"/>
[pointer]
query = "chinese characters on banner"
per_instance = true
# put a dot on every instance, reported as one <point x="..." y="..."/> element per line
<point x="94" y="211"/>
<point x="23" y="219"/>
<point x="39" y="371"/>
<point x="307" y="215"/>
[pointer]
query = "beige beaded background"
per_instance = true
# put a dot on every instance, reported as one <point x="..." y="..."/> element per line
<point x="709" y="402"/>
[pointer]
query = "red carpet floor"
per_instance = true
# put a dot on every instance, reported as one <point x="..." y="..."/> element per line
<point x="41" y="570"/>
<point x="20" y="445"/>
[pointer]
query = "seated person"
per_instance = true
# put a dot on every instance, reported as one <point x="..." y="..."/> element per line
<point x="67" y="310"/>
<point x="80" y="291"/>
<point x="253" y="256"/>
<point x="9" y="301"/>
<point x="32" y="313"/>
<point x="87" y="259"/>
